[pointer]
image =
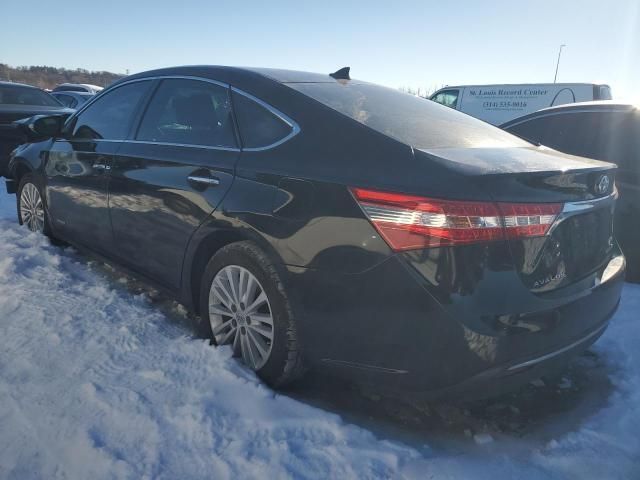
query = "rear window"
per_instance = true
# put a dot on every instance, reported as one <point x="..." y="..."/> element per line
<point x="69" y="88"/>
<point x="17" y="95"/>
<point x="412" y="120"/>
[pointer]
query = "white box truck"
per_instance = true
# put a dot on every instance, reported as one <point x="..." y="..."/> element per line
<point x="497" y="104"/>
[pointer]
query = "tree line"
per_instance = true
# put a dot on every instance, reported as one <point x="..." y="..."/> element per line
<point x="49" y="77"/>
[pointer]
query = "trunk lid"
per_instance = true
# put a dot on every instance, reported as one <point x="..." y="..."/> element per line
<point x="581" y="239"/>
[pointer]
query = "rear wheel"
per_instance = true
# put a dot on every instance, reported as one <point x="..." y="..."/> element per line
<point x="244" y="304"/>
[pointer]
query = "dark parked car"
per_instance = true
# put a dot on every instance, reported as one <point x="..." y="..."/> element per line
<point x="605" y="131"/>
<point x="72" y="99"/>
<point x="18" y="101"/>
<point x="317" y="221"/>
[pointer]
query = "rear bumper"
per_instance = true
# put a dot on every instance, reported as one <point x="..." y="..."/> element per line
<point x="505" y="378"/>
<point x="403" y="326"/>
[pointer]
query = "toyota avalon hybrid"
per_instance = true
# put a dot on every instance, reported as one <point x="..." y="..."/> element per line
<point x="314" y="221"/>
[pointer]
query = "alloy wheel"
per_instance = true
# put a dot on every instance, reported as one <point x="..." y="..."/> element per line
<point x="31" y="208"/>
<point x="240" y="315"/>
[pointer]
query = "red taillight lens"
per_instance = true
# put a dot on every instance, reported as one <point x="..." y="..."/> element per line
<point x="409" y="222"/>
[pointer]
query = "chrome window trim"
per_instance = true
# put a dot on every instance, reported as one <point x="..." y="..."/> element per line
<point x="190" y="145"/>
<point x="295" y="128"/>
<point x="146" y="142"/>
<point x="89" y="140"/>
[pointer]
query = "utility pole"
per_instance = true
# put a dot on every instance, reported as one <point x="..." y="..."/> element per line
<point x="558" y="63"/>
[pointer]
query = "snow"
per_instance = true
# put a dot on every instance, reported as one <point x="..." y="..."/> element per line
<point x="101" y="378"/>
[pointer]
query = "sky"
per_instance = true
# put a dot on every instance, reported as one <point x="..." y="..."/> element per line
<point x="413" y="43"/>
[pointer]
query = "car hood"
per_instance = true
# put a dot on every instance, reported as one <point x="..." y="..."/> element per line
<point x="11" y="113"/>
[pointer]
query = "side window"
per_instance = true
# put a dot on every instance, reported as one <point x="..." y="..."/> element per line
<point x="448" y="98"/>
<point x="189" y="112"/>
<point x="69" y="101"/>
<point x="109" y="117"/>
<point x="64" y="99"/>
<point x="259" y="126"/>
<point x="548" y="130"/>
<point x="598" y="135"/>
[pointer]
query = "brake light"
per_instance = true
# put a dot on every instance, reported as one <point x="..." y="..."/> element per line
<point x="409" y="222"/>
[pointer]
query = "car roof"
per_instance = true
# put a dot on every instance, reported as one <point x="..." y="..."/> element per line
<point x="293" y="76"/>
<point x="88" y="85"/>
<point x="521" y="85"/>
<point x="230" y="74"/>
<point x="73" y="92"/>
<point x="15" y="84"/>
<point x="594" y="106"/>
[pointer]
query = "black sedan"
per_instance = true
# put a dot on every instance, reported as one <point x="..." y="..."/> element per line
<point x="19" y="101"/>
<point x="317" y="221"/>
<point x="605" y="131"/>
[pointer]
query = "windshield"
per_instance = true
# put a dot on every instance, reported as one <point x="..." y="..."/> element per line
<point x="413" y="120"/>
<point x="18" y="95"/>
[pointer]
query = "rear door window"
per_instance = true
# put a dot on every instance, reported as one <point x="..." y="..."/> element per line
<point x="260" y="125"/>
<point x="110" y="116"/>
<point x="189" y="112"/>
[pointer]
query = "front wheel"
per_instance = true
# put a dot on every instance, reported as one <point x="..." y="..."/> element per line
<point x="30" y="203"/>
<point x="244" y="304"/>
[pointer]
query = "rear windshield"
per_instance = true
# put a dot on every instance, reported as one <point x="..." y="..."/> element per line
<point x="412" y="120"/>
<point x="17" y="95"/>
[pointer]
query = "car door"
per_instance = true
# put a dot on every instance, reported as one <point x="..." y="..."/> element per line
<point x="171" y="174"/>
<point x="78" y="163"/>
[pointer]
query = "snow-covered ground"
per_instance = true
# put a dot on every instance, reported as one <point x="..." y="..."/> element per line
<point x="102" y="379"/>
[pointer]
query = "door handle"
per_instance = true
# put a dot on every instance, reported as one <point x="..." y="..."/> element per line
<point x="203" y="180"/>
<point x="100" y="166"/>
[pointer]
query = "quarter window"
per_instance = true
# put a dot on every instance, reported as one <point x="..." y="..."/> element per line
<point x="109" y="117"/>
<point x="189" y="112"/>
<point x="259" y="126"/>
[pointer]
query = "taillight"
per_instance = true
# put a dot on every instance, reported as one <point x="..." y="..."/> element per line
<point x="409" y="222"/>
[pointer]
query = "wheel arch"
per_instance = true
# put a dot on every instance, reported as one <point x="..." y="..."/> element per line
<point x="206" y="242"/>
<point x="19" y="169"/>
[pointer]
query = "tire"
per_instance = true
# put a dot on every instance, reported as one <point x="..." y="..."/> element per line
<point x="283" y="363"/>
<point x="27" y="202"/>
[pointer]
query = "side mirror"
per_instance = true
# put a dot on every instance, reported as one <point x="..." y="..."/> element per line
<point x="42" y="126"/>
